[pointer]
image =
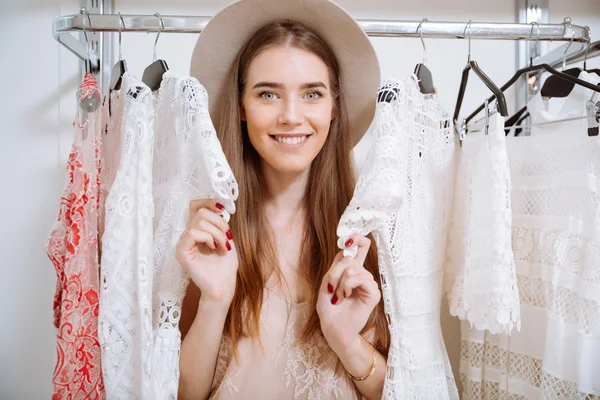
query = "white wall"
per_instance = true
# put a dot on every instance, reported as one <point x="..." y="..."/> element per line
<point x="38" y="79"/>
<point x="36" y="105"/>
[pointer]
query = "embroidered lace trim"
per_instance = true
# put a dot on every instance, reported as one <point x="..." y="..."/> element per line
<point x="125" y="320"/>
<point x="189" y="164"/>
<point x="403" y="196"/>
<point x="556" y="245"/>
<point x="480" y="270"/>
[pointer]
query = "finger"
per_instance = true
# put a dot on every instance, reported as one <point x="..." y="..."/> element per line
<point x="213" y="218"/>
<point x="192" y="237"/>
<point x="333" y="276"/>
<point x="210" y="204"/>
<point x="363" y="244"/>
<point x="363" y="280"/>
<point x="218" y="235"/>
<point x="352" y="270"/>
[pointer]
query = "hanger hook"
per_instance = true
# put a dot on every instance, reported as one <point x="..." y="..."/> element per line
<point x="468" y="26"/>
<point x="567" y="22"/>
<point x="587" y="48"/>
<point x="537" y="42"/>
<point x="422" y="41"/>
<point x="161" y="26"/>
<point x="86" y="18"/>
<point x="121" y="27"/>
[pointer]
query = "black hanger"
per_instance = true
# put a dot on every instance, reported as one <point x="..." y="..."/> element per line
<point x="546" y="67"/>
<point x="423" y="73"/>
<point x="116" y="77"/>
<point x="387" y="93"/>
<point x="472" y="65"/>
<point x="153" y="74"/>
<point x="557" y="87"/>
<point x="562" y="76"/>
<point x="514" y="120"/>
<point x="519" y="128"/>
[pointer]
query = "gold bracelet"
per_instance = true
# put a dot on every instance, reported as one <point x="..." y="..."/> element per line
<point x="372" y="367"/>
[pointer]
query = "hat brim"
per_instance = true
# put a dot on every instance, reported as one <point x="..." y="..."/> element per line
<point x="225" y="34"/>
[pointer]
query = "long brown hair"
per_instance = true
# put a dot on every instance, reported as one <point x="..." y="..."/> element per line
<point x="331" y="187"/>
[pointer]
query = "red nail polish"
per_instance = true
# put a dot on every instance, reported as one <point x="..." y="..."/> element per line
<point x="334" y="299"/>
<point x="220" y="206"/>
<point x="228" y="246"/>
<point x="329" y="288"/>
<point x="229" y="235"/>
<point x="349" y="243"/>
<point x="216" y="245"/>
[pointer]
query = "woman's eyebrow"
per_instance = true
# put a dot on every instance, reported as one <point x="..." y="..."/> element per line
<point x="268" y="84"/>
<point x="312" y="85"/>
<point x="277" y="85"/>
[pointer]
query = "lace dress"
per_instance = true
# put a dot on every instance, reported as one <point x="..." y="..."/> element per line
<point x="555" y="176"/>
<point x="480" y="268"/>
<point x="72" y="245"/>
<point x="125" y="324"/>
<point x="188" y="164"/>
<point x="403" y="196"/>
<point x="284" y="368"/>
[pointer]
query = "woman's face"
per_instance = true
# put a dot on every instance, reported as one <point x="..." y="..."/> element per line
<point x="287" y="106"/>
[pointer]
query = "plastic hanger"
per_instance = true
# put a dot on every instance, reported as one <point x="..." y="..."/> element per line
<point x="515" y="120"/>
<point x="116" y="77"/>
<point x="472" y="66"/>
<point x="389" y="93"/>
<point x="519" y="128"/>
<point x="88" y="95"/>
<point x="423" y="73"/>
<point x="153" y="74"/>
<point x="530" y="68"/>
<point x="555" y="86"/>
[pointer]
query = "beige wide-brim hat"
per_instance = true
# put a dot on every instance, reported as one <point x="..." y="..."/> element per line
<point x="226" y="33"/>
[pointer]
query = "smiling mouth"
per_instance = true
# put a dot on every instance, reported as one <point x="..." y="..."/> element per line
<point x="288" y="140"/>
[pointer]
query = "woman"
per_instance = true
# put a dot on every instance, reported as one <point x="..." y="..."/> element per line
<point x="275" y="311"/>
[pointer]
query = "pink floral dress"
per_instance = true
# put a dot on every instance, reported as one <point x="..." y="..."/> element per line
<point x="73" y="248"/>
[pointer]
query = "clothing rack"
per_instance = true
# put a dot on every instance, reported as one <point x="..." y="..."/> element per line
<point x="387" y="28"/>
<point x="592" y="51"/>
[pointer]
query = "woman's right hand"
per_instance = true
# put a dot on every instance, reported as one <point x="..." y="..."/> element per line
<point x="208" y="254"/>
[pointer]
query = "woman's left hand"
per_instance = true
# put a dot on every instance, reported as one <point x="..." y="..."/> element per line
<point x="347" y="296"/>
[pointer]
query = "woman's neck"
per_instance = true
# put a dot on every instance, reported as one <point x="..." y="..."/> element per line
<point x="286" y="192"/>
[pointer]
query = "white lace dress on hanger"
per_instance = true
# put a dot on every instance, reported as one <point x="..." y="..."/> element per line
<point x="403" y="196"/>
<point x="555" y="176"/>
<point x="125" y="320"/>
<point x="480" y="268"/>
<point x="189" y="164"/>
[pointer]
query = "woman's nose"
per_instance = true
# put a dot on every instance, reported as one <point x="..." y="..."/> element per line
<point x="291" y="113"/>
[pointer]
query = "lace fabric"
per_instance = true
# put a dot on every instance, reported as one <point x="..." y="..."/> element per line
<point x="125" y="322"/>
<point x="480" y="271"/>
<point x="403" y="196"/>
<point x="284" y="368"/>
<point x="556" y="244"/>
<point x="189" y="164"/>
<point x="72" y="246"/>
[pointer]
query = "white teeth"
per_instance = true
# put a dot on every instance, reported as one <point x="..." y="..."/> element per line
<point x="292" y="140"/>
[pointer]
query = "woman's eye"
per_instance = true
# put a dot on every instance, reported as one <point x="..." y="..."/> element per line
<point x="268" y="95"/>
<point x="313" y="95"/>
